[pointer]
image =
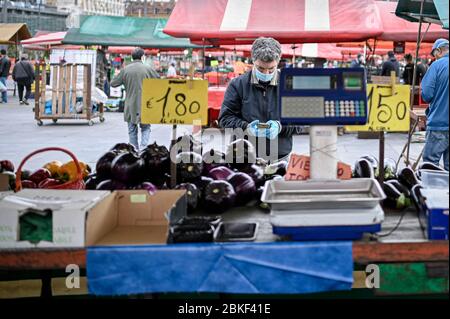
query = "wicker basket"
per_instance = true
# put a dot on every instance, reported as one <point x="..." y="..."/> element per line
<point x="76" y="184"/>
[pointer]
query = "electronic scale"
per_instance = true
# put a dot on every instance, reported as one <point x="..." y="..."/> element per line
<point x="324" y="207"/>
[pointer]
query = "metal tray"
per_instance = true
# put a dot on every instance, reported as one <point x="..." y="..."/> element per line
<point x="335" y="194"/>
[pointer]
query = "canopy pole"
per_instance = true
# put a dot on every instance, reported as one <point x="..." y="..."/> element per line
<point x="413" y="86"/>
<point x="204" y="59"/>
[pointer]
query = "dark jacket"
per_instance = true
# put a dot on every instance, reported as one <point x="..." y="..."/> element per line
<point x="390" y="65"/>
<point x="408" y="73"/>
<point x="23" y="72"/>
<point x="246" y="100"/>
<point x="5" y="65"/>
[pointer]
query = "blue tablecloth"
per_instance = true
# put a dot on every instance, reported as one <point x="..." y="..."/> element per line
<point x="246" y="268"/>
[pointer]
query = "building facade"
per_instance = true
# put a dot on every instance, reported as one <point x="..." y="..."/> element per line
<point x="149" y="8"/>
<point x="92" y="7"/>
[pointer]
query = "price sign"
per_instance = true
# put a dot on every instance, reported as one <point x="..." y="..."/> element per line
<point x="299" y="169"/>
<point x="166" y="101"/>
<point x="387" y="112"/>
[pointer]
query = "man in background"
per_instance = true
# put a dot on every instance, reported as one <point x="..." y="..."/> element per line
<point x="5" y="66"/>
<point x="391" y="64"/>
<point x="131" y="77"/>
<point x="435" y="92"/>
<point x="359" y="62"/>
<point x="408" y="73"/>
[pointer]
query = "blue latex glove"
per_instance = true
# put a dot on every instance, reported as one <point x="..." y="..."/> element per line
<point x="255" y="131"/>
<point x="273" y="130"/>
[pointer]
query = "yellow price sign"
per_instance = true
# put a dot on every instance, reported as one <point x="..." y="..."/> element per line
<point x="171" y="101"/>
<point x="387" y="112"/>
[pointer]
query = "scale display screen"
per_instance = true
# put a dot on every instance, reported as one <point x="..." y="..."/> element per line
<point x="310" y="83"/>
<point x="353" y="81"/>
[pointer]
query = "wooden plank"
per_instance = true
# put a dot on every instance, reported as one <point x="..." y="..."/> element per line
<point x="41" y="258"/>
<point x="74" y="84"/>
<point x="67" y="80"/>
<point x="55" y="88"/>
<point x="59" y="287"/>
<point x="20" y="288"/>
<point x="61" y="88"/>
<point x="43" y="88"/>
<point x="365" y="253"/>
<point x="37" y="93"/>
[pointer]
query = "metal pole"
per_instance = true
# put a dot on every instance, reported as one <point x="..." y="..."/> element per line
<point x="145" y="8"/>
<point x="414" y="76"/>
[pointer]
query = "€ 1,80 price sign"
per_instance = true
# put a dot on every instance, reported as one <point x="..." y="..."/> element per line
<point x="172" y="101"/>
<point x="387" y="112"/>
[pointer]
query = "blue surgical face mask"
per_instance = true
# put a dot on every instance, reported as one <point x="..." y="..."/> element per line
<point x="263" y="77"/>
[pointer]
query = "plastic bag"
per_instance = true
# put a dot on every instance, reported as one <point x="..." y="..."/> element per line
<point x="98" y="96"/>
<point x="3" y="88"/>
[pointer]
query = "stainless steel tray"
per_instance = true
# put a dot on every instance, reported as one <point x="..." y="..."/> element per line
<point x="335" y="194"/>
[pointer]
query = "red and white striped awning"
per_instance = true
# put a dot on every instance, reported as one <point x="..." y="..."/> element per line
<point x="289" y="21"/>
<point x="52" y="38"/>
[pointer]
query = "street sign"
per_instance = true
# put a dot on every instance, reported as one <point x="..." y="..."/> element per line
<point x="170" y="101"/>
<point x="387" y="112"/>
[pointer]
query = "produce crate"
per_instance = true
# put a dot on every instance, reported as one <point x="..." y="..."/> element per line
<point x="64" y="94"/>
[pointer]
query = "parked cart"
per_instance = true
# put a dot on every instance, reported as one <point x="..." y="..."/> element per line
<point x="69" y="98"/>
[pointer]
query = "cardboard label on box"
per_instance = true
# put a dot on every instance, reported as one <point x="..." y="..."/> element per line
<point x="299" y="169"/>
<point x="4" y="183"/>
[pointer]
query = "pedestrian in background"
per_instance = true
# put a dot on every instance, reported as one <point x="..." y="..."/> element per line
<point x="391" y="64"/>
<point x="23" y="74"/>
<point x="435" y="92"/>
<point x="409" y="70"/>
<point x="5" y="66"/>
<point x="359" y="62"/>
<point x="131" y="77"/>
<point x="172" y="71"/>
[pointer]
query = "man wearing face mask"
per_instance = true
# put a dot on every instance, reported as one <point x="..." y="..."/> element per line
<point x="250" y="101"/>
<point x="435" y="92"/>
<point x="359" y="62"/>
<point x="131" y="78"/>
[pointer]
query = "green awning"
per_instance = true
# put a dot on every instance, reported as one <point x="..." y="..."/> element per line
<point x="124" y="31"/>
<point x="434" y="11"/>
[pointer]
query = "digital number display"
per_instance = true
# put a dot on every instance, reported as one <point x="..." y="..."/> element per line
<point x="353" y="81"/>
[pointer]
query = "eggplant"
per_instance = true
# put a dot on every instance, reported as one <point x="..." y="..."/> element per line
<point x="394" y="198"/>
<point x="128" y="169"/>
<point x="244" y="186"/>
<point x="219" y="197"/>
<point x="148" y="187"/>
<point x="400" y="187"/>
<point x="48" y="183"/>
<point x="104" y="165"/>
<point x="407" y="177"/>
<point x="240" y="154"/>
<point x="189" y="166"/>
<point x="110" y="185"/>
<point x="256" y="173"/>
<point x="6" y="166"/>
<point x="220" y="173"/>
<point x="40" y="175"/>
<point x="187" y="143"/>
<point x="372" y="160"/>
<point x="202" y="182"/>
<point x="429" y="166"/>
<point x="278" y="168"/>
<point x="25" y="175"/>
<point x="363" y="169"/>
<point x="212" y="159"/>
<point x="192" y="193"/>
<point x="390" y="169"/>
<point x="92" y="182"/>
<point x="417" y="197"/>
<point x="156" y="160"/>
<point x="124" y="148"/>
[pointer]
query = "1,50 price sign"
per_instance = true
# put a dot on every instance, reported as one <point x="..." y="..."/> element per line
<point x="169" y="101"/>
<point x="388" y="113"/>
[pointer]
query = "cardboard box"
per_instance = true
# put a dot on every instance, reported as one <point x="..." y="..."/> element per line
<point x="135" y="217"/>
<point x="83" y="218"/>
<point x="4" y="183"/>
<point x="69" y="212"/>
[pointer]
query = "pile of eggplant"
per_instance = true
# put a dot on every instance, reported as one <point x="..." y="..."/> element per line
<point x="214" y="181"/>
<point x="401" y="187"/>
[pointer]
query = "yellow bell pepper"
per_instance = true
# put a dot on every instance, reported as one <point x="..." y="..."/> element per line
<point x="68" y="171"/>
<point x="54" y="168"/>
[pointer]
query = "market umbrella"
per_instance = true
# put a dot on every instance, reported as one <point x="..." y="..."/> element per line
<point x="289" y="21"/>
<point x="435" y="11"/>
